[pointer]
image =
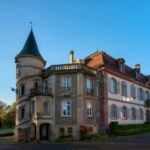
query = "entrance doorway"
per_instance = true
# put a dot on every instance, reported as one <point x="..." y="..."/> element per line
<point x="44" y="131"/>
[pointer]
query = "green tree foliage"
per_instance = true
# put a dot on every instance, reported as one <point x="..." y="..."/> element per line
<point x="7" y="114"/>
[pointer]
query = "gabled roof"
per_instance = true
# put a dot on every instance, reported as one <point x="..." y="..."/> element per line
<point x="30" y="47"/>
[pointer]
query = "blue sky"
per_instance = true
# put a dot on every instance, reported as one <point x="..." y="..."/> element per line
<point x="119" y="27"/>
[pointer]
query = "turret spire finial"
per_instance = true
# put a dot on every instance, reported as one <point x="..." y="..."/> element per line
<point x="31" y="24"/>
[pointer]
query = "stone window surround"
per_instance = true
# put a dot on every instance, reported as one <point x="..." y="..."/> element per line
<point x="114" y="111"/>
<point x="20" y="112"/>
<point x="66" y="87"/>
<point x="70" y="115"/>
<point x="89" y="109"/>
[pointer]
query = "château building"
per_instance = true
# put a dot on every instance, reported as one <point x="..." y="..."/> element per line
<point x="92" y="91"/>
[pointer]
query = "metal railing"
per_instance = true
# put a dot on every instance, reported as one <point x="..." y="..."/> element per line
<point x="65" y="67"/>
<point x="41" y="91"/>
<point x="89" y="91"/>
<point x="65" y="89"/>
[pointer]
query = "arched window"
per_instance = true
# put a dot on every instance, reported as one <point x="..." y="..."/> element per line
<point x="133" y="113"/>
<point x="113" y="111"/>
<point x="113" y="86"/>
<point x="140" y="94"/>
<point x="124" y="112"/>
<point x="146" y="95"/>
<point x="133" y="91"/>
<point x="123" y="89"/>
<point x="141" y="114"/>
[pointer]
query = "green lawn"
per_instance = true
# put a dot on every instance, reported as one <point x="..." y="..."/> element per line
<point x="6" y="131"/>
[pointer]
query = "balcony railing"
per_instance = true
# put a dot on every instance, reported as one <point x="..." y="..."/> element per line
<point x="69" y="67"/>
<point x="41" y="91"/>
<point x="65" y="90"/>
<point x="89" y="91"/>
<point x="41" y="115"/>
<point x="66" y="67"/>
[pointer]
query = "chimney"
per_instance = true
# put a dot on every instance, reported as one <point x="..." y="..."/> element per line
<point x="71" y="56"/>
<point x="138" y="67"/>
<point x="148" y="78"/>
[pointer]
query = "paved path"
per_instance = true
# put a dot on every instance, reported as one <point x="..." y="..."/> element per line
<point x="139" y="142"/>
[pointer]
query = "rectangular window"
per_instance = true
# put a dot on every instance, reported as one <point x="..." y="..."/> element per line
<point x="89" y="86"/>
<point x="66" y="84"/>
<point x="22" y="113"/>
<point x="22" y="90"/>
<point x="33" y="107"/>
<point x="89" y="110"/>
<point x="46" y="107"/>
<point x="66" y="108"/>
<point x="122" y="67"/>
<point x="36" y="85"/>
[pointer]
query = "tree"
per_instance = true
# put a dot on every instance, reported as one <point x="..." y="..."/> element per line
<point x="7" y="114"/>
<point x="2" y="112"/>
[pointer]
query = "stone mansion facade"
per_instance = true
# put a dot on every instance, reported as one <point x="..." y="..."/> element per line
<point x="93" y="91"/>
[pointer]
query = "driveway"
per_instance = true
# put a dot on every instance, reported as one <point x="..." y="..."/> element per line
<point x="139" y="142"/>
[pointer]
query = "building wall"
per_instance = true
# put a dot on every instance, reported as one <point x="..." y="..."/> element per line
<point x="128" y="101"/>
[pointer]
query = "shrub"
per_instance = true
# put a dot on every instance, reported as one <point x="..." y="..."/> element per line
<point x="113" y="127"/>
<point x="85" y="132"/>
<point x="125" y="130"/>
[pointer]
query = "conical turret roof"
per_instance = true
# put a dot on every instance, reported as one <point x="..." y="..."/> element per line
<point x="30" y="48"/>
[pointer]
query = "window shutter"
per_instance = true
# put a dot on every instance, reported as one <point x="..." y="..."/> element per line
<point x="129" y="113"/>
<point x="131" y="91"/>
<point x="144" y="95"/>
<point x="138" y="114"/>
<point x="109" y="111"/>
<point x="118" y="87"/>
<point x="135" y="92"/>
<point x="138" y="93"/>
<point x="118" y="113"/>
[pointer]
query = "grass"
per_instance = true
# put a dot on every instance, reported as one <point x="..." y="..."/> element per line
<point x="6" y="131"/>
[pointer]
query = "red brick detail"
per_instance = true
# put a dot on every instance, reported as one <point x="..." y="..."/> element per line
<point x="103" y="101"/>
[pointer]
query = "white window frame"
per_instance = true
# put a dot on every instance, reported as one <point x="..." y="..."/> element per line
<point x="133" y="113"/>
<point x="124" y="89"/>
<point x="64" y="107"/>
<point x="114" y="113"/>
<point x="124" y="112"/>
<point x="66" y="84"/>
<point x="113" y="86"/>
<point x="20" y="112"/>
<point x="89" y="109"/>
<point x="89" y="86"/>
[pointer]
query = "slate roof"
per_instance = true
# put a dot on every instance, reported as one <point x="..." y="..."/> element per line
<point x="30" y="48"/>
<point x="102" y="59"/>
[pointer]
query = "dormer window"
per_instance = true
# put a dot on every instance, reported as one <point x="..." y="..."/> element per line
<point x="121" y="62"/>
<point x="122" y="68"/>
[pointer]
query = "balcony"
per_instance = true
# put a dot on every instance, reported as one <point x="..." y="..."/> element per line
<point x="65" y="90"/>
<point x="65" y="67"/>
<point x="89" y="91"/>
<point x="69" y="68"/>
<point x="41" y="91"/>
<point x="40" y="115"/>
